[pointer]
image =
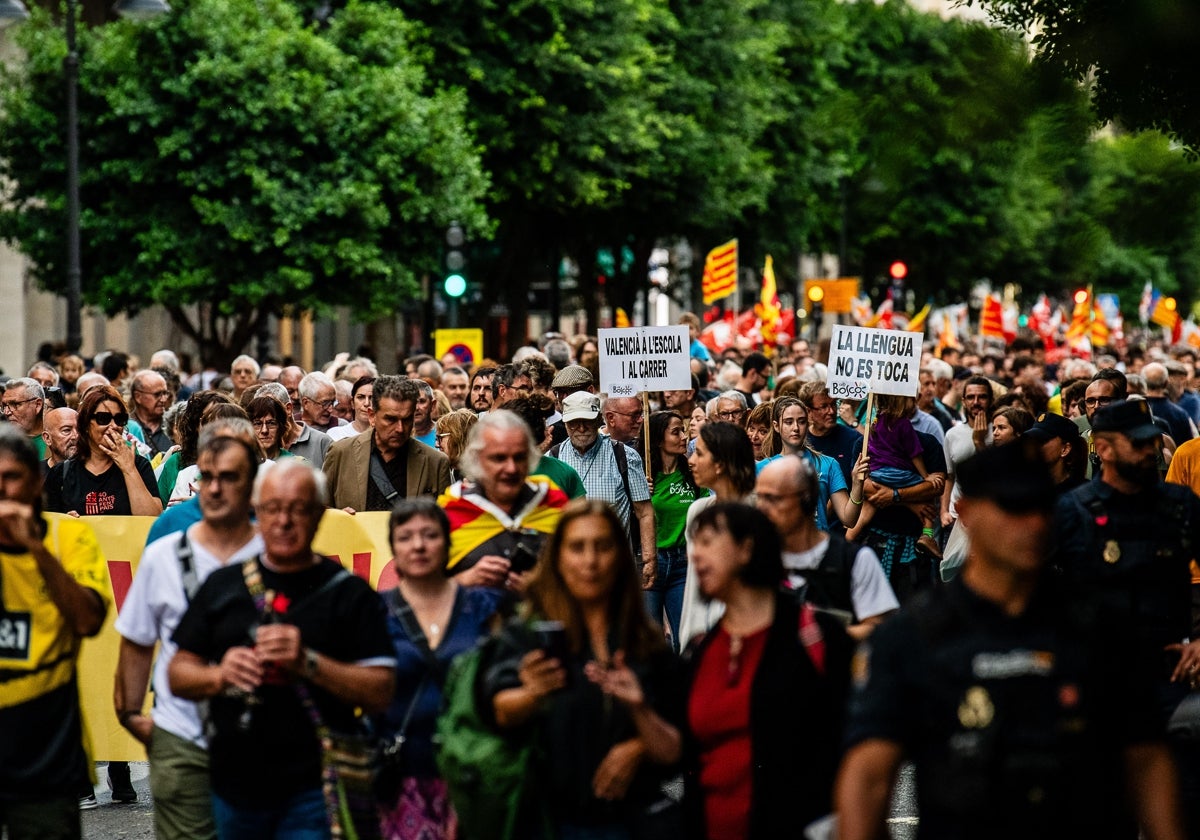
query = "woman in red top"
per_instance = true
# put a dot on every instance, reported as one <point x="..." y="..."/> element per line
<point x="765" y="708"/>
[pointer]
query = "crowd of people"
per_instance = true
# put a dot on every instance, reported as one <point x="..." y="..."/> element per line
<point x="710" y="612"/>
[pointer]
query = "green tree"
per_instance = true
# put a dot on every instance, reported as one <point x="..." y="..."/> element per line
<point x="957" y="150"/>
<point x="233" y="158"/>
<point x="564" y="96"/>
<point x="1137" y="59"/>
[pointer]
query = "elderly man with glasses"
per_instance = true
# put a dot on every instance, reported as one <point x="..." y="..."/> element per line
<point x="151" y="396"/>
<point x="22" y="404"/>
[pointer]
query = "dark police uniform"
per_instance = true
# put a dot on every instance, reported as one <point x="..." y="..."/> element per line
<point x="1132" y="552"/>
<point x="1016" y="725"/>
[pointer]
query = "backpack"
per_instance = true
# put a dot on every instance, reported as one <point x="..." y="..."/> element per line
<point x="490" y="774"/>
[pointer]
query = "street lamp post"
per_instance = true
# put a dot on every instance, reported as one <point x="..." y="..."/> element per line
<point x="12" y="11"/>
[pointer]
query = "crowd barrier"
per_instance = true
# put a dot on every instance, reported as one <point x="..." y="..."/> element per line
<point x="358" y="542"/>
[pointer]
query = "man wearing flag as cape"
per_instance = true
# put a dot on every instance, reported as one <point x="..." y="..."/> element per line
<point x="499" y="514"/>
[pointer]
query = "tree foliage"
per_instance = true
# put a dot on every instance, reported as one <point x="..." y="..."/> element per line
<point x="1138" y="58"/>
<point x="235" y="158"/>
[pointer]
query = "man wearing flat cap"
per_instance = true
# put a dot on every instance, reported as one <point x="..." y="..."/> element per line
<point x="1128" y="540"/>
<point x="572" y="379"/>
<point x="1035" y="719"/>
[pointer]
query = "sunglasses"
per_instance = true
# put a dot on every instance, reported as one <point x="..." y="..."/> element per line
<point x="103" y="418"/>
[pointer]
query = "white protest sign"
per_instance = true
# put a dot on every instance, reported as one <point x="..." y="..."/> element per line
<point x="864" y="360"/>
<point x="638" y="359"/>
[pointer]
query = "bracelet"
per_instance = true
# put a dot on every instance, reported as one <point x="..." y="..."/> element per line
<point x="895" y="494"/>
<point x="853" y="502"/>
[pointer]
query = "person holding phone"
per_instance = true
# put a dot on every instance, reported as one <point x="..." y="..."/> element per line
<point x="431" y="620"/>
<point x="585" y="669"/>
<point x="106" y="476"/>
<point x="499" y="513"/>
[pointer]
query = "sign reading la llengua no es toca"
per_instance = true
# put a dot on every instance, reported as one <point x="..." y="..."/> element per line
<point x="638" y="359"/>
<point x="864" y="360"/>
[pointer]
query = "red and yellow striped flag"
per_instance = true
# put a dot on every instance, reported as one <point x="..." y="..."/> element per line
<point x="991" y="319"/>
<point x="1101" y="334"/>
<point x="720" y="272"/>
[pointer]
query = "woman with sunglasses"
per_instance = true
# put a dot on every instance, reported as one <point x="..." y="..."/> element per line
<point x="106" y="476"/>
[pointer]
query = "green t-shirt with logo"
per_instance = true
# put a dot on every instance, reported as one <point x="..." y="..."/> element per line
<point x="671" y="499"/>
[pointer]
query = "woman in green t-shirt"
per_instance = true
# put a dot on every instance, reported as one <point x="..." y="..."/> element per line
<point x="674" y="491"/>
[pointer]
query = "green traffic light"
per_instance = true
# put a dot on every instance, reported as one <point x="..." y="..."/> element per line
<point x="455" y="285"/>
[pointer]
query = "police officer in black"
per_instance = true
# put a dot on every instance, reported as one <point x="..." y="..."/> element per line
<point x="1023" y="715"/>
<point x="1128" y="539"/>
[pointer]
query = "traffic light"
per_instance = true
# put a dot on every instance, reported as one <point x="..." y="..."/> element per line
<point x="898" y="270"/>
<point x="455" y="283"/>
<point x="816" y="295"/>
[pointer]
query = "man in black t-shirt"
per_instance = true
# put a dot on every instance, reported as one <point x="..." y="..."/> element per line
<point x="312" y="637"/>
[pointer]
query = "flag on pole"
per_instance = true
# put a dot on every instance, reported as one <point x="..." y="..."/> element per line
<point x="1101" y="335"/>
<point x="1079" y="331"/>
<point x="720" y="272"/>
<point x="767" y="308"/>
<point x="1147" y="303"/>
<point x="917" y="322"/>
<point x="991" y="319"/>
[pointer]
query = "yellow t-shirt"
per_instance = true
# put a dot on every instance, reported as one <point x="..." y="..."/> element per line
<point x="37" y="647"/>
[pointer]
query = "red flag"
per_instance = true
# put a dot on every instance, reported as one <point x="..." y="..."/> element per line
<point x="991" y="320"/>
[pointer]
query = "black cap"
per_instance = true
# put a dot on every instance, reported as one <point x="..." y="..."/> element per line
<point x="1013" y="476"/>
<point x="1050" y="426"/>
<point x="1131" y="418"/>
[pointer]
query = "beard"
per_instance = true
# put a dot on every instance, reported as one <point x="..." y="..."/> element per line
<point x="1142" y="473"/>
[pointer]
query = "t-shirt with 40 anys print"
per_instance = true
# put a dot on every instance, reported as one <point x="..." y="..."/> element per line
<point x="88" y="494"/>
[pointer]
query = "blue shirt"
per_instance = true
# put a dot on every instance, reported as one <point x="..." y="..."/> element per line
<point x="829" y="480"/>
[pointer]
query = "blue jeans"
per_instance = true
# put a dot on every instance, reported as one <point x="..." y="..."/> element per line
<point x="300" y="818"/>
<point x="667" y="593"/>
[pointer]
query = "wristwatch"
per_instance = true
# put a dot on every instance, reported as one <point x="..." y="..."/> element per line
<point x="311" y="664"/>
<point x="895" y="494"/>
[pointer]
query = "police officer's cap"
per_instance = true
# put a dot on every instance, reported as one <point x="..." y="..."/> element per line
<point x="1050" y="426"/>
<point x="1013" y="476"/>
<point x="1131" y="418"/>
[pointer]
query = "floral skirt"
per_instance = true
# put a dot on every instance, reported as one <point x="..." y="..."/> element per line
<point x="422" y="811"/>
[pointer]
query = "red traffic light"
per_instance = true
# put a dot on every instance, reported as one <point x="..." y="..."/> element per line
<point x="1081" y="296"/>
<point x="898" y="270"/>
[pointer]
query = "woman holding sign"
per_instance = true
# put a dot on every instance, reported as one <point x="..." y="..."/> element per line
<point x="789" y="428"/>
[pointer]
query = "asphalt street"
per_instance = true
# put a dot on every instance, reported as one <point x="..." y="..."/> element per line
<point x="114" y="821"/>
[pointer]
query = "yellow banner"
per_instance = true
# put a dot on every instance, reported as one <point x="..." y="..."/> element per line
<point x="359" y="542"/>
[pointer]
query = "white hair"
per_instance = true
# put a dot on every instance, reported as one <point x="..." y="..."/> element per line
<point x="500" y="421"/>
<point x="165" y="358"/>
<point x="283" y="469"/>
<point x="244" y="358"/>
<point x="313" y="383"/>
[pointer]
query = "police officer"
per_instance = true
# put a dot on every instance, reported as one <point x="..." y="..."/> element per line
<point x="1128" y="539"/>
<point x="1022" y="715"/>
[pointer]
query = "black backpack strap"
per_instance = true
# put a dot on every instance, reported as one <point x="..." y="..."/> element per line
<point x="554" y="450"/>
<point x="379" y="476"/>
<point x="635" y="527"/>
<point x="187" y="567"/>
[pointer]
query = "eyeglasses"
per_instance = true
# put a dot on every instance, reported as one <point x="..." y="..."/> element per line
<point x="158" y="395"/>
<point x="325" y="404"/>
<point x="1097" y="401"/>
<point x="103" y="418"/>
<point x="731" y="415"/>
<point x="826" y="407"/>
<point x="271" y="510"/>
<point x="772" y="499"/>
<point x="9" y="407"/>
<point x="269" y="425"/>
